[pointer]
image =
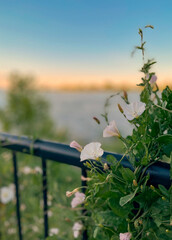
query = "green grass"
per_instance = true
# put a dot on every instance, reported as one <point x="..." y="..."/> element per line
<point x="60" y="179"/>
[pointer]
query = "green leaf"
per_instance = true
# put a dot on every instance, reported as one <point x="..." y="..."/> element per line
<point x="127" y="174"/>
<point x="127" y="198"/>
<point x="165" y="139"/>
<point x="117" y="209"/>
<point x="167" y="149"/>
<point x="144" y="97"/>
<point x="164" y="191"/>
<point x="144" y="161"/>
<point x="96" y="230"/>
<point x="111" y="159"/>
<point x="171" y="166"/>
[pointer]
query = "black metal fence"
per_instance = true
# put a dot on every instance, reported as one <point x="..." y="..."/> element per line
<point x="47" y="150"/>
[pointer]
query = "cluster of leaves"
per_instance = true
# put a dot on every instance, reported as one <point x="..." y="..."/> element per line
<point x="120" y="200"/>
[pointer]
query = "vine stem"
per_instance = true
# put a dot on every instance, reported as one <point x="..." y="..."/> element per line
<point x="165" y="109"/>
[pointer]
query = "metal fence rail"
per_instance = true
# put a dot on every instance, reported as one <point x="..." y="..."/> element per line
<point x="47" y="150"/>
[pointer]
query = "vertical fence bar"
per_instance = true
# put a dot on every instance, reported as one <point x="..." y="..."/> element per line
<point x="17" y="195"/>
<point x="44" y="190"/>
<point x="84" y="184"/>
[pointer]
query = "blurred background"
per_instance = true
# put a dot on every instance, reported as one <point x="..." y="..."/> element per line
<point x="59" y="62"/>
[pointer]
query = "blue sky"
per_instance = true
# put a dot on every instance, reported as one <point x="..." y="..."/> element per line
<point x="66" y="39"/>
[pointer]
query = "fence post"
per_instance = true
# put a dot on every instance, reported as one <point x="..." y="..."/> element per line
<point x="17" y="195"/>
<point x="44" y="190"/>
<point x="84" y="184"/>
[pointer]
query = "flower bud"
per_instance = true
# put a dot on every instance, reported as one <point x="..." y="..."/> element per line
<point x="167" y="230"/>
<point x="152" y="187"/>
<point x="105" y="167"/>
<point x="140" y="221"/>
<point x="120" y="108"/>
<point x="163" y="198"/>
<point x="100" y="225"/>
<point x="69" y="194"/>
<point x="135" y="183"/>
<point x="97" y="120"/>
<point x="85" y="178"/>
<point x="76" y="145"/>
<point x="125" y="95"/>
<point x="88" y="165"/>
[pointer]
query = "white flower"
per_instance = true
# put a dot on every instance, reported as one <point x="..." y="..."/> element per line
<point x="6" y="194"/>
<point x="38" y="170"/>
<point x="11" y="231"/>
<point x="76" y="145"/>
<point x="125" y="236"/>
<point x="6" y="156"/>
<point x="92" y="151"/>
<point x="77" y="227"/>
<point x="54" y="231"/>
<point x="35" y="228"/>
<point x="50" y="213"/>
<point x="22" y="207"/>
<point x="78" y="199"/>
<point x="134" y="110"/>
<point x="111" y="130"/>
<point x="26" y="170"/>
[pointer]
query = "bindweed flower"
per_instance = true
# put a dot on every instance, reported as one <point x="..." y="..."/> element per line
<point x="6" y="194"/>
<point x="125" y="236"/>
<point x="69" y="194"/>
<point x="134" y="110"/>
<point x="76" y="145"/>
<point x="77" y="227"/>
<point x="54" y="231"/>
<point x="78" y="199"/>
<point x="91" y="151"/>
<point x="111" y="130"/>
<point x="153" y="79"/>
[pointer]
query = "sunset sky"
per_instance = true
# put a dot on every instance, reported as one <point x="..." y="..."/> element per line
<point x="69" y="42"/>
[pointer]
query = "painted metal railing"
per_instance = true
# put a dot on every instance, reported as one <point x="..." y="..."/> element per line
<point x="47" y="150"/>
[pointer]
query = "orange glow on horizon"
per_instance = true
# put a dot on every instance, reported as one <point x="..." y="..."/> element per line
<point x="72" y="82"/>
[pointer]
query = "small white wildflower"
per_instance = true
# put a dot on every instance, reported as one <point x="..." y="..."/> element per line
<point x="22" y="207"/>
<point x="11" y="231"/>
<point x="6" y="194"/>
<point x="91" y="151"/>
<point x="38" y="170"/>
<point x="111" y="130"/>
<point x="77" y="227"/>
<point x="54" y="231"/>
<point x="50" y="213"/>
<point x="26" y="170"/>
<point x="78" y="199"/>
<point x="134" y="110"/>
<point x="35" y="228"/>
<point x="6" y="156"/>
<point x="125" y="236"/>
